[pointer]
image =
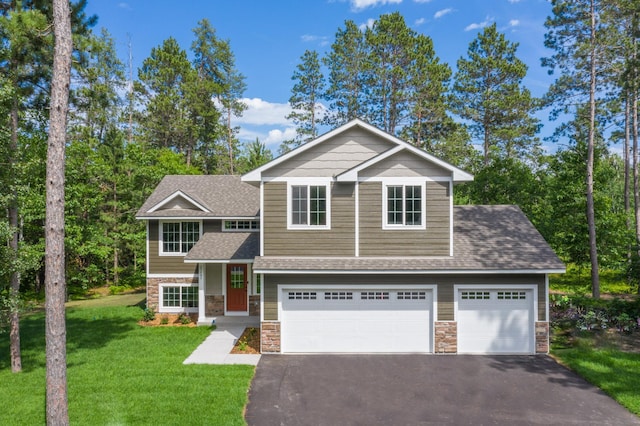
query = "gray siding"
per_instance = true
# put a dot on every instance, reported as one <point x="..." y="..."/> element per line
<point x="404" y="164"/>
<point x="337" y="241"/>
<point x="333" y="156"/>
<point x="172" y="264"/>
<point x="434" y="241"/>
<point x="444" y="284"/>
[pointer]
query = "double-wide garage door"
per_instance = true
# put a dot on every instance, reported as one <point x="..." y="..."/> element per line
<point x="495" y="321"/>
<point x="350" y="320"/>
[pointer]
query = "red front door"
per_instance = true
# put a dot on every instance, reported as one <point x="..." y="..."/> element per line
<point x="237" y="288"/>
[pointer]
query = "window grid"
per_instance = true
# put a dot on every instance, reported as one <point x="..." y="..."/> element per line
<point x="299" y="205"/>
<point x="179" y="237"/>
<point x="475" y="295"/>
<point x="374" y="295"/>
<point x="413" y="205"/>
<point x="338" y="295"/>
<point x="394" y="205"/>
<point x="180" y="296"/>
<point x="404" y="205"/>
<point x="512" y="295"/>
<point x="302" y="295"/>
<point x="412" y="295"/>
<point x="318" y="205"/>
<point x="241" y="225"/>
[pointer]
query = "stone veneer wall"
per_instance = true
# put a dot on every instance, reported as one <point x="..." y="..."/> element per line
<point x="153" y="288"/>
<point x="213" y="305"/>
<point x="542" y="337"/>
<point x="270" y="337"/>
<point x="446" y="337"/>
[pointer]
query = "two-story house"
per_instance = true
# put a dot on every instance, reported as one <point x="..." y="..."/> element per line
<point x="351" y="243"/>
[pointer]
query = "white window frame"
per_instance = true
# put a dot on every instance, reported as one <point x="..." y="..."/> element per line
<point x="308" y="183"/>
<point x="423" y="206"/>
<point x="177" y="309"/>
<point x="236" y="229"/>
<point x="161" y="236"/>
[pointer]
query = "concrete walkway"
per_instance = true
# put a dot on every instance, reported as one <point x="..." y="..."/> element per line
<point x="217" y="347"/>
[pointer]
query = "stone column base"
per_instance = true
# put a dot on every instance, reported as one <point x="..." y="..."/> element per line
<point x="542" y="337"/>
<point x="270" y="337"/>
<point x="446" y="337"/>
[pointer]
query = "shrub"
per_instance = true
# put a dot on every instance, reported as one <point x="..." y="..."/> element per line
<point x="164" y="320"/>
<point x="149" y="315"/>
<point x="184" y="319"/>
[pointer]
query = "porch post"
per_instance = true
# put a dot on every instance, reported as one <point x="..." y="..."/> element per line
<point x="202" y="285"/>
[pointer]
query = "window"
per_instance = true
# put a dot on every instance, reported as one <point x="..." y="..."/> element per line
<point x="475" y="295"/>
<point x="179" y="297"/>
<point x="404" y="206"/>
<point x="241" y="225"/>
<point x="308" y="206"/>
<point x="179" y="237"/>
<point x="258" y="283"/>
<point x="302" y="295"/>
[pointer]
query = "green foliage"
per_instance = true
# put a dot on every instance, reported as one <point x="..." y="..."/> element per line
<point x="149" y="315"/>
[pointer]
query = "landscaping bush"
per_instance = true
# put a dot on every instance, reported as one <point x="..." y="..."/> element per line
<point x="585" y="313"/>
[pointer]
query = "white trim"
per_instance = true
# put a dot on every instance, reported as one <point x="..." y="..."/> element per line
<point x="281" y="288"/>
<point x="261" y="303"/>
<point x="176" y="195"/>
<point x="172" y="275"/>
<point x="202" y="290"/>
<point x="161" y="251"/>
<point x="224" y="229"/>
<point x="198" y="217"/>
<point x="406" y="180"/>
<point x="409" y="272"/>
<point x="308" y="183"/>
<point x="357" y="220"/>
<point x="385" y="204"/>
<point x="450" y="218"/>
<point x="224" y="289"/>
<point x="176" y="309"/>
<point x="148" y="263"/>
<point x="261" y="218"/>
<point x="546" y="297"/>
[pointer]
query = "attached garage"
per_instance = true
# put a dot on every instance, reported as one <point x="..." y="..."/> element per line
<point x="342" y="319"/>
<point x="495" y="320"/>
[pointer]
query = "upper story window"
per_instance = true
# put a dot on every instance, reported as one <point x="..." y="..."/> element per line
<point x="179" y="237"/>
<point x="309" y="206"/>
<point x="241" y="225"/>
<point x="404" y="207"/>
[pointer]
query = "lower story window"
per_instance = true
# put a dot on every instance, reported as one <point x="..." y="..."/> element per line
<point x="179" y="296"/>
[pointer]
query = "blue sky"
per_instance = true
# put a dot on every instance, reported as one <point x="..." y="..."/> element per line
<point x="269" y="37"/>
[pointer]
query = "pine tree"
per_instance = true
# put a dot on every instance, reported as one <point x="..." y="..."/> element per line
<point x="488" y="92"/>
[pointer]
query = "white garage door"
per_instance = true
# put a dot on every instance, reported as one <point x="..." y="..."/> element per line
<point x="356" y="320"/>
<point x="495" y="321"/>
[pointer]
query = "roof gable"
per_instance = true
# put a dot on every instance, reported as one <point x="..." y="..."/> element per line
<point x="345" y="162"/>
<point x="179" y="200"/>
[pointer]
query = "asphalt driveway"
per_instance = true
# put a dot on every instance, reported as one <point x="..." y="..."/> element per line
<point x="425" y="390"/>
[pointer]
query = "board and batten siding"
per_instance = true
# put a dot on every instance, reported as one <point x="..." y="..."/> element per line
<point x="432" y="241"/>
<point x="333" y="156"/>
<point x="444" y="285"/>
<point x="337" y="241"/>
<point x="172" y="264"/>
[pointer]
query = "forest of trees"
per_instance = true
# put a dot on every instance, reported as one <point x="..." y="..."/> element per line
<point x="128" y="128"/>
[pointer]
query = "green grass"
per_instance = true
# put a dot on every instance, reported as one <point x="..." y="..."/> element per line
<point x="122" y="374"/>
<point x="616" y="373"/>
<point x="578" y="281"/>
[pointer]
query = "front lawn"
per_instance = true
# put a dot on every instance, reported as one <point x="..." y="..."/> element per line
<point x="121" y="373"/>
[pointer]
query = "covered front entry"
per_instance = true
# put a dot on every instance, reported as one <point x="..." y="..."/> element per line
<point x="494" y="321"/>
<point x="356" y="319"/>
<point x="237" y="284"/>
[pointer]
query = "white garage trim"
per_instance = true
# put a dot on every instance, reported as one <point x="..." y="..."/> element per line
<point x="489" y="293"/>
<point x="328" y="299"/>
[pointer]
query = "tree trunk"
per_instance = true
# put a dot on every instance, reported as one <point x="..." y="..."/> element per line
<point x="230" y="138"/>
<point x="591" y="217"/>
<point x="14" y="292"/>
<point x="57" y="405"/>
<point x="636" y="175"/>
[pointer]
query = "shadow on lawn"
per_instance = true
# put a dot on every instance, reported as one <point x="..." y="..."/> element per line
<point x="84" y="331"/>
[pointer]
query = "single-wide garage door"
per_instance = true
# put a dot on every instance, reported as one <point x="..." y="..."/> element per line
<point x="356" y="320"/>
<point x="495" y="321"/>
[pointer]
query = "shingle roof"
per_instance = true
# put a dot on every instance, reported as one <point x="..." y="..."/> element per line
<point x="222" y="195"/>
<point x="225" y="246"/>
<point x="486" y="238"/>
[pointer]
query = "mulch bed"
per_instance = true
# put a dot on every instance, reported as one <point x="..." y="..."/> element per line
<point x="249" y="342"/>
<point x="169" y="320"/>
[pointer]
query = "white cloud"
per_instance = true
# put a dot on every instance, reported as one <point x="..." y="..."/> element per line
<point x="420" y="21"/>
<point x="442" y="12"/>
<point x="477" y="25"/>
<point x="358" y="5"/>
<point x="309" y="38"/>
<point x="514" y="1"/>
<point x="276" y="136"/>
<point x="514" y="23"/>
<point x="260" y="112"/>
<point x="123" y="5"/>
<point x="422" y="1"/>
<point x="368" y="24"/>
